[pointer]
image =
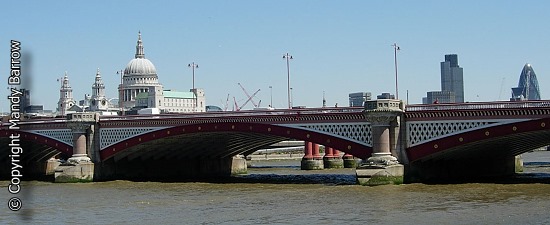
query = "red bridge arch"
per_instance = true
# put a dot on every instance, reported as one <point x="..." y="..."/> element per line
<point x="222" y="128"/>
<point x="502" y="140"/>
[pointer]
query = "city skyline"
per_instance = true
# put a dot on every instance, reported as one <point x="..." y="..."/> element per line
<point x="337" y="48"/>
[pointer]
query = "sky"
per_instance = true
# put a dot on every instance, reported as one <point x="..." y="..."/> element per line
<point x="338" y="47"/>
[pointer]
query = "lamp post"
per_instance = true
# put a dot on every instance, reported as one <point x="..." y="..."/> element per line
<point x="288" y="58"/>
<point x="395" y="49"/>
<point x="193" y="66"/>
<point x="291" y="100"/>
<point x="271" y="96"/>
<point x="120" y="93"/>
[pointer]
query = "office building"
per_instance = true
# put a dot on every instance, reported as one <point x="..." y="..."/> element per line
<point x="452" y="83"/>
<point x="434" y="97"/>
<point x="452" y="77"/>
<point x="385" y="96"/>
<point x="528" y="85"/>
<point x="358" y="99"/>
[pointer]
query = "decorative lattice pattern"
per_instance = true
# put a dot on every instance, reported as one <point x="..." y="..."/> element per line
<point x="355" y="131"/>
<point x="62" y="135"/>
<point x="111" y="136"/>
<point x="422" y="131"/>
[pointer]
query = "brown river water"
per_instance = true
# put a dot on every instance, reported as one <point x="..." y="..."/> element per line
<point x="278" y="192"/>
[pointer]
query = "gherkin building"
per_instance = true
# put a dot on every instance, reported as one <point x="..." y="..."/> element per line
<point x="528" y="86"/>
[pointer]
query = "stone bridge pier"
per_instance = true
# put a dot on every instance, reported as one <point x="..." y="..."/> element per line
<point x="312" y="160"/>
<point x="332" y="158"/>
<point x="79" y="168"/>
<point x="383" y="167"/>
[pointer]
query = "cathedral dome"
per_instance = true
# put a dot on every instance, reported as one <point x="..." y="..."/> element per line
<point x="140" y="65"/>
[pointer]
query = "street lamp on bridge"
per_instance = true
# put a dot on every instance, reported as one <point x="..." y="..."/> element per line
<point x="395" y="49"/>
<point x="288" y="58"/>
<point x="120" y="92"/>
<point x="193" y="66"/>
<point x="271" y="96"/>
<point x="291" y="100"/>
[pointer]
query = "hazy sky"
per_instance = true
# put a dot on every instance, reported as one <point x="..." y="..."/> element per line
<point x="338" y="46"/>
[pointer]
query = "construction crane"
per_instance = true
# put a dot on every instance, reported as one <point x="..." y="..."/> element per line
<point x="250" y="98"/>
<point x="238" y="108"/>
<point x="226" y="103"/>
<point x="235" y="106"/>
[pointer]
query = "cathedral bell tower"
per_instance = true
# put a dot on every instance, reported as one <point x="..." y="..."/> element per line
<point x="98" y="101"/>
<point x="66" y="100"/>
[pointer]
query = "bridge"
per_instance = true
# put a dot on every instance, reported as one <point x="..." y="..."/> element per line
<point x="429" y="141"/>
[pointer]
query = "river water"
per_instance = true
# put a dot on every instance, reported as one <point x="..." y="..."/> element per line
<point x="277" y="192"/>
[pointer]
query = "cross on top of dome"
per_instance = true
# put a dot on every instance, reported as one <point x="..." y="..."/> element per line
<point x="139" y="47"/>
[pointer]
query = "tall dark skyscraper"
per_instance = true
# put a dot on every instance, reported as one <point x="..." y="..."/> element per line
<point x="528" y="85"/>
<point x="452" y="83"/>
<point x="452" y="78"/>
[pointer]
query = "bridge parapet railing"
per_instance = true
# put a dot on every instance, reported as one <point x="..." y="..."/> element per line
<point x="282" y="113"/>
<point x="478" y="106"/>
<point x="243" y="113"/>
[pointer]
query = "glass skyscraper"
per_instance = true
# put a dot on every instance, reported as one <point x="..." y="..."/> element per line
<point x="528" y="85"/>
<point x="358" y="98"/>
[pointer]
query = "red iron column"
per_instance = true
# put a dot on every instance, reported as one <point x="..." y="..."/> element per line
<point x="311" y="159"/>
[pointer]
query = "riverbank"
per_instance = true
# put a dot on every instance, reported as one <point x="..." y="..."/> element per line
<point x="536" y="162"/>
<point x="276" y="156"/>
